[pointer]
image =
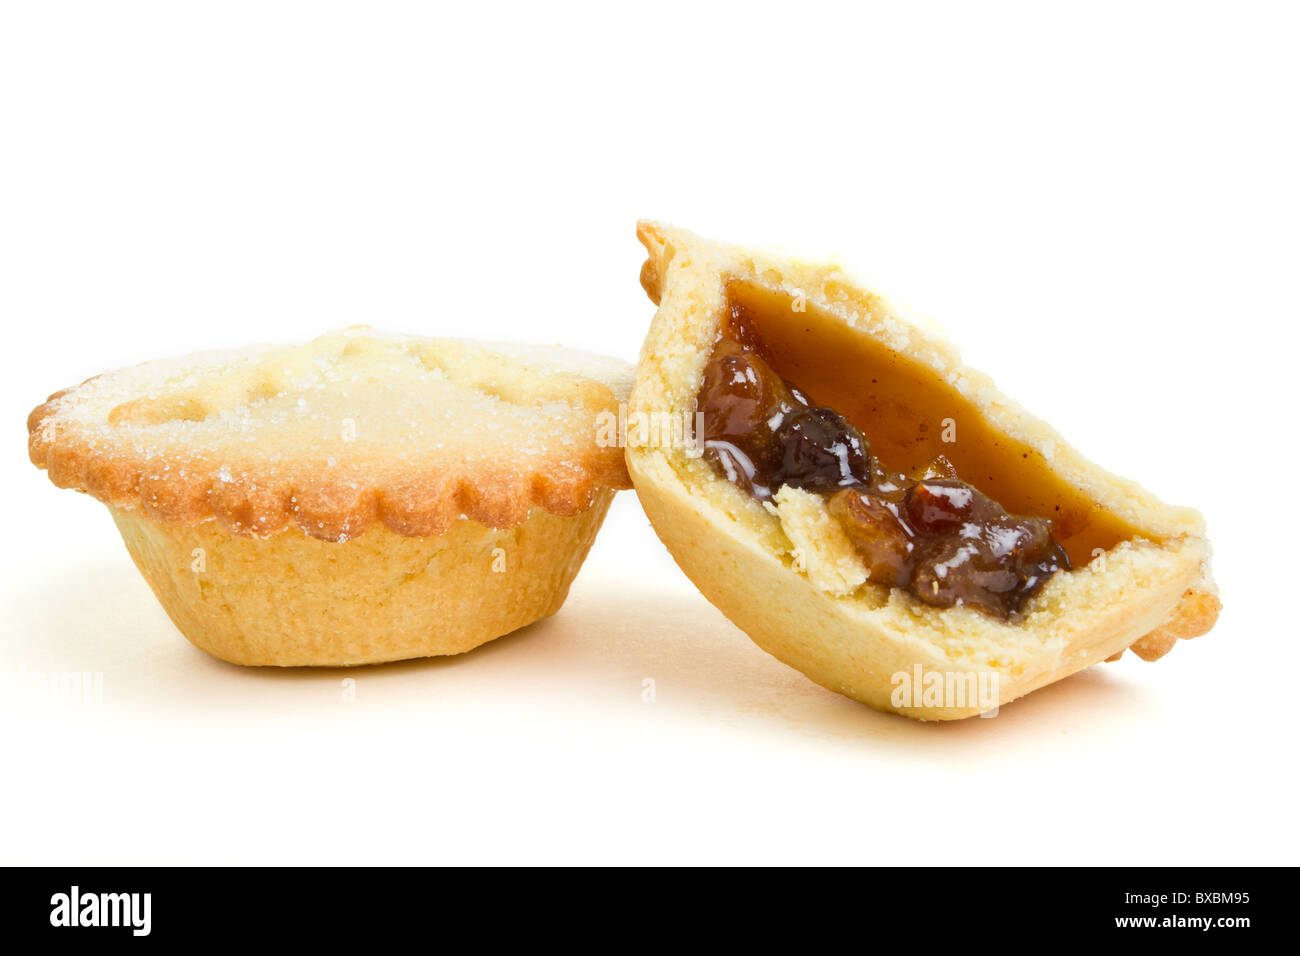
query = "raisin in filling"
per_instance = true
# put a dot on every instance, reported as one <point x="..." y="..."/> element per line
<point x="933" y="535"/>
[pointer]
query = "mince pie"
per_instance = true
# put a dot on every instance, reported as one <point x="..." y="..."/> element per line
<point x="869" y="509"/>
<point x="360" y="498"/>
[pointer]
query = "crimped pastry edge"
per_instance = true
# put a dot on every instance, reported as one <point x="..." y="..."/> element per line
<point x="407" y="503"/>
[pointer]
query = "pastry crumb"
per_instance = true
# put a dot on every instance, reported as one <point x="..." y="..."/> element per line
<point x="825" y="553"/>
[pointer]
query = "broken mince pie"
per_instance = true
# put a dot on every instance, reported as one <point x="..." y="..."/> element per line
<point x="865" y="506"/>
<point x="357" y="499"/>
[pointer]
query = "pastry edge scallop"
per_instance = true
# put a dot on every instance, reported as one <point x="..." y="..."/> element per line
<point x="1149" y="592"/>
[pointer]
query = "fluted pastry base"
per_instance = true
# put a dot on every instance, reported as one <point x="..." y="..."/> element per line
<point x="294" y="600"/>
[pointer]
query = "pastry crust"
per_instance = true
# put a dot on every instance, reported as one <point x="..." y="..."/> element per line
<point x="362" y="498"/>
<point x="351" y="429"/>
<point x="294" y="600"/>
<point x="1145" y="592"/>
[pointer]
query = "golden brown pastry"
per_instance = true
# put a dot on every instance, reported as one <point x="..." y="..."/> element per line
<point x="875" y="513"/>
<point x="360" y="498"/>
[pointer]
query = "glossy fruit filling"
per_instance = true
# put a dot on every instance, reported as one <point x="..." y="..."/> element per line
<point x="930" y="533"/>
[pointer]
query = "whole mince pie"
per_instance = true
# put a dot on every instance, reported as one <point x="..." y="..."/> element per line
<point x="360" y="498"/>
<point x="875" y="513"/>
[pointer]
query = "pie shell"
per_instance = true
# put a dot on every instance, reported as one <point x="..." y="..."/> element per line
<point x="1145" y="593"/>
<point x="459" y="511"/>
<point x="295" y="600"/>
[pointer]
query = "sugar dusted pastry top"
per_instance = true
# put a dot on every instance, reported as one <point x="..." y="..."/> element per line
<point x="353" y="427"/>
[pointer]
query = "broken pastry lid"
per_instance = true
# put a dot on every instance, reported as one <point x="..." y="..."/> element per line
<point x="873" y="512"/>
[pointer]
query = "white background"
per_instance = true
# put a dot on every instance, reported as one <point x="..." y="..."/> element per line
<point x="1100" y="205"/>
